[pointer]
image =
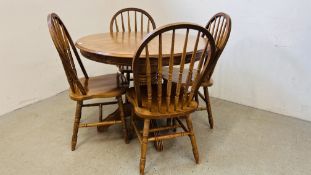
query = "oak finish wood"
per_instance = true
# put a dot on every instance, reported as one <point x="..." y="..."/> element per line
<point x="131" y="20"/>
<point x="118" y="48"/>
<point x="85" y="88"/>
<point x="220" y="27"/>
<point x="104" y="86"/>
<point x="157" y="99"/>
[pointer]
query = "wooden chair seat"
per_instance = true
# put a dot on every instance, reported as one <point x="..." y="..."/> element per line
<point x="155" y="113"/>
<point x="104" y="86"/>
<point x="175" y="75"/>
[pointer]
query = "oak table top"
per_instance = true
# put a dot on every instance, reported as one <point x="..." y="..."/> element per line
<point x="118" y="48"/>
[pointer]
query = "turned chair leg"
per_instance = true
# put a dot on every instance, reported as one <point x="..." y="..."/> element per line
<point x="131" y="129"/>
<point x="174" y="123"/>
<point x="208" y="107"/>
<point x="124" y="127"/>
<point x="196" y="96"/>
<point x="100" y="118"/>
<point x="76" y="125"/>
<point x="144" y="146"/>
<point x="193" y="140"/>
<point x="169" y="122"/>
<point x="128" y="77"/>
<point x="158" y="144"/>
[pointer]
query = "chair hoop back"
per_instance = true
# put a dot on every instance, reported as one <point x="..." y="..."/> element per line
<point x="181" y="94"/>
<point x="125" y="18"/>
<point x="220" y="28"/>
<point x="65" y="46"/>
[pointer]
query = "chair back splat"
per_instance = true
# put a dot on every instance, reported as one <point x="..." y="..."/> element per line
<point x="169" y="96"/>
<point x="65" y="47"/>
<point x="132" y="20"/>
<point x="220" y="28"/>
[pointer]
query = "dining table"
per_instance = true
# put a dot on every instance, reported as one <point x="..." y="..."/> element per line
<point x="118" y="48"/>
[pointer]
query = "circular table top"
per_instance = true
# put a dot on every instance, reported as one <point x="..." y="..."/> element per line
<point x="118" y="48"/>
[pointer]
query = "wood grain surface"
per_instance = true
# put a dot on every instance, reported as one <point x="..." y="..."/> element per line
<point x="118" y="48"/>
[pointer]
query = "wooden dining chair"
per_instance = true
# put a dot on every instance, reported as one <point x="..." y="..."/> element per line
<point x="131" y="20"/>
<point x="155" y="100"/>
<point x="86" y="88"/>
<point x="220" y="27"/>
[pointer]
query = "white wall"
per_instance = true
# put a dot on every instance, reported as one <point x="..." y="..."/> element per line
<point x="30" y="69"/>
<point x="265" y="64"/>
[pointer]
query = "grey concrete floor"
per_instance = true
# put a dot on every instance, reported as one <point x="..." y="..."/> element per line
<point x="36" y="140"/>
